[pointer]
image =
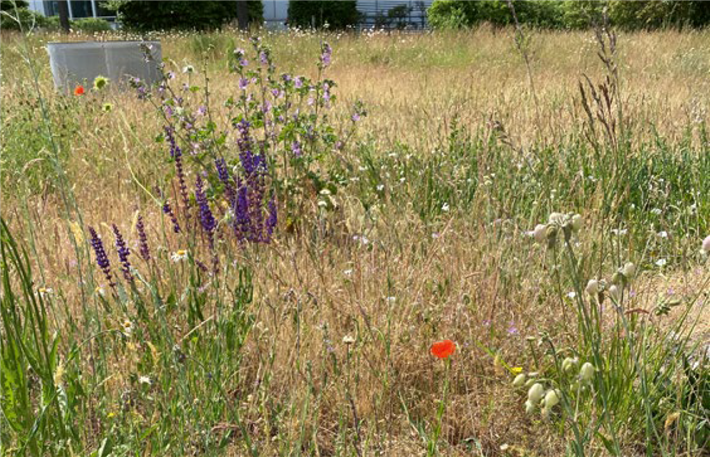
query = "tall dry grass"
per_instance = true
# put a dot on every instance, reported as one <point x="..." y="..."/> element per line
<point x="453" y="116"/>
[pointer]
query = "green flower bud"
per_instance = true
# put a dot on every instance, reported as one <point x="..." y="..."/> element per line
<point x="629" y="270"/>
<point x="535" y="393"/>
<point x="529" y="407"/>
<point x="615" y="293"/>
<point x="552" y="397"/>
<point x="586" y="373"/>
<point x="569" y="364"/>
<point x="592" y="287"/>
<point x="100" y="82"/>
<point x="519" y="380"/>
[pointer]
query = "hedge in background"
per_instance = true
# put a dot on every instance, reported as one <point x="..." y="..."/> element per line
<point x="166" y="15"/>
<point x="337" y="14"/>
<point x="570" y="14"/>
<point x="9" y="5"/>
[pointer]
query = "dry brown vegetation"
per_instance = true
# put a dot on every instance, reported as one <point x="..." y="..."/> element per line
<point x="470" y="274"/>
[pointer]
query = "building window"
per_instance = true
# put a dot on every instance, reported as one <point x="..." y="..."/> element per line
<point x="81" y="8"/>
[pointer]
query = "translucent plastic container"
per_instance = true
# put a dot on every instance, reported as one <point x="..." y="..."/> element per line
<point x="80" y="62"/>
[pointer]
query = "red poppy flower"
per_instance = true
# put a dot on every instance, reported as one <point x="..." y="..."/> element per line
<point x="79" y="90"/>
<point x="443" y="349"/>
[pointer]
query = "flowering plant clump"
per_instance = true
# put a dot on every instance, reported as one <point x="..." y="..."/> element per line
<point x="277" y="129"/>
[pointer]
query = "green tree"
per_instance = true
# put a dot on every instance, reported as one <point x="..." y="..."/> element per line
<point x="9" y="5"/>
<point x="337" y="14"/>
<point x="143" y="15"/>
<point x="459" y="13"/>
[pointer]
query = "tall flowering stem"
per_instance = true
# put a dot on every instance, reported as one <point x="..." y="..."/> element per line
<point x="176" y="153"/>
<point x="207" y="220"/>
<point x="223" y="174"/>
<point x="123" y="253"/>
<point x="249" y="221"/>
<point x="167" y="209"/>
<point x="143" y="239"/>
<point x="101" y="258"/>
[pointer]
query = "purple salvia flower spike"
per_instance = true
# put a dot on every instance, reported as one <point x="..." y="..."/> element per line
<point x="123" y="253"/>
<point x="143" y="239"/>
<point x="101" y="258"/>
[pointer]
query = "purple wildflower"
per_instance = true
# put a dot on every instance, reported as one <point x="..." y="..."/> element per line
<point x="101" y="258"/>
<point x="264" y="57"/>
<point x="326" y="54"/>
<point x="296" y="149"/>
<point x="169" y="211"/>
<point x="123" y="253"/>
<point x="512" y="329"/>
<point x="176" y="153"/>
<point x="223" y="175"/>
<point x="298" y="82"/>
<point x="355" y="117"/>
<point x="243" y="83"/>
<point x="206" y="218"/>
<point x="251" y="189"/>
<point x="286" y="77"/>
<point x="143" y="239"/>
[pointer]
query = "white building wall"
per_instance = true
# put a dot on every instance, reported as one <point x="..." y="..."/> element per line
<point x="275" y="13"/>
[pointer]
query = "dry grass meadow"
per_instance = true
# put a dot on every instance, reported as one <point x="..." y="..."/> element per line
<point x="424" y="234"/>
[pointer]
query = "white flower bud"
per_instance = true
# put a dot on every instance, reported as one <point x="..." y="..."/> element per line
<point x="629" y="270"/>
<point x="592" y="287"/>
<point x="539" y="233"/>
<point x="552" y="397"/>
<point x="535" y="393"/>
<point x="569" y="364"/>
<point x="529" y="407"/>
<point x="519" y="380"/>
<point x="577" y="222"/>
<point x="706" y="244"/>
<point x="615" y="293"/>
<point x="586" y="373"/>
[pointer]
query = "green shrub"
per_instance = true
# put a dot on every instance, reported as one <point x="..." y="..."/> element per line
<point x="628" y="15"/>
<point x="457" y="14"/>
<point x="206" y="15"/>
<point x="27" y="19"/>
<point x="337" y="14"/>
<point x="90" y="25"/>
<point x="9" y="5"/>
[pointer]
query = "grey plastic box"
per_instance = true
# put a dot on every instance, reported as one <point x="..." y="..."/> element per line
<point x="80" y="62"/>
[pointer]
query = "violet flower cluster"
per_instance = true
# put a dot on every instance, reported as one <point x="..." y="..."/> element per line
<point x="101" y="257"/>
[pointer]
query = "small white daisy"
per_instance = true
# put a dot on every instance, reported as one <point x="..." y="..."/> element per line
<point x="179" y="255"/>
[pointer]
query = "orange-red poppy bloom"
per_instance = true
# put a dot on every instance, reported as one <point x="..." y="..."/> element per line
<point x="443" y="349"/>
<point x="79" y="90"/>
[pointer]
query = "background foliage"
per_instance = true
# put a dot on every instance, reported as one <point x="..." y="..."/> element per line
<point x="570" y="14"/>
<point x="337" y="14"/>
<point x="168" y="15"/>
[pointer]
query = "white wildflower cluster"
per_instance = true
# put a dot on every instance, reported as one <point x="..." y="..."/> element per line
<point x="540" y="397"/>
<point x="598" y="288"/>
<point x="557" y="223"/>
